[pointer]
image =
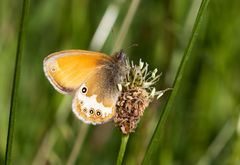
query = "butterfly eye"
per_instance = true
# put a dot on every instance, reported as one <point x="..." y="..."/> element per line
<point x="98" y="113"/>
<point x="91" y="111"/>
<point x="84" y="90"/>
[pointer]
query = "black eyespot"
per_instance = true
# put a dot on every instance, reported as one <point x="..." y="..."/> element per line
<point x="98" y="113"/>
<point x="91" y="111"/>
<point x="84" y="90"/>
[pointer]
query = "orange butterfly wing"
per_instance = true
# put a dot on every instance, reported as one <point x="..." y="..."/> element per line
<point x="72" y="70"/>
<point x="66" y="70"/>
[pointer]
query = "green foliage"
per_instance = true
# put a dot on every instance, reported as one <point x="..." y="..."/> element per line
<point x="15" y="84"/>
<point x="202" y="126"/>
<point x="153" y="146"/>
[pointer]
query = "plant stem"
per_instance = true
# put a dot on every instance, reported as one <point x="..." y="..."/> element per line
<point x="154" y="143"/>
<point x="122" y="149"/>
<point x="16" y="78"/>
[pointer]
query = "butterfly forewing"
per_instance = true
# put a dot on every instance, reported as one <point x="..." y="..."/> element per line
<point x="66" y="70"/>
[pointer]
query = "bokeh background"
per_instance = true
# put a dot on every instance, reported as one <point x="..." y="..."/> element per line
<point x="203" y="126"/>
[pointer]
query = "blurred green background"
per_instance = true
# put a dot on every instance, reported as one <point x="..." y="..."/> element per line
<point x="203" y="126"/>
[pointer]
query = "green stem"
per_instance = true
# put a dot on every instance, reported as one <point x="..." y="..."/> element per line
<point x="122" y="149"/>
<point x="16" y="77"/>
<point x="154" y="143"/>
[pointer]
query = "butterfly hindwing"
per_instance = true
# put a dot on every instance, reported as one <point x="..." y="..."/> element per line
<point x="95" y="100"/>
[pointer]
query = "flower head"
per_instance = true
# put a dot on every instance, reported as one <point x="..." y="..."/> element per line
<point x="137" y="91"/>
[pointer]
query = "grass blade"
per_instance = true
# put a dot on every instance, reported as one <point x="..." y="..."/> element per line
<point x="219" y="142"/>
<point x="122" y="149"/>
<point x="16" y="78"/>
<point x="126" y="25"/>
<point x="153" y="146"/>
<point x="83" y="129"/>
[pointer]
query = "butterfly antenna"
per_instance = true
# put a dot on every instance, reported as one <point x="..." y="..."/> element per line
<point x="121" y="54"/>
<point x="133" y="45"/>
<point x="113" y="35"/>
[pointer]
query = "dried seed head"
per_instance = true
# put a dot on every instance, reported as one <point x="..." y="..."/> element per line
<point x="130" y="108"/>
<point x="137" y="92"/>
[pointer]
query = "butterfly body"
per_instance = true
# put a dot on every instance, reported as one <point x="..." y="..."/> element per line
<point x="91" y="77"/>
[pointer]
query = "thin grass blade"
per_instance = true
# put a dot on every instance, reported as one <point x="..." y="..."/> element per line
<point x="154" y="143"/>
<point x="16" y="78"/>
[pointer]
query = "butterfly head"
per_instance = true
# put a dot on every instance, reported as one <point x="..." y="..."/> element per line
<point x="120" y="59"/>
<point x="121" y="56"/>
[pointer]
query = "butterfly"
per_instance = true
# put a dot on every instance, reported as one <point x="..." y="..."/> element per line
<point x="92" y="77"/>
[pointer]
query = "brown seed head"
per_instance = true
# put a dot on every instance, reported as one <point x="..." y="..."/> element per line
<point x="137" y="92"/>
